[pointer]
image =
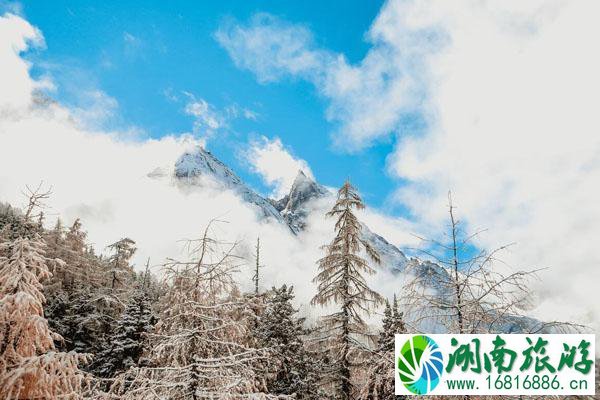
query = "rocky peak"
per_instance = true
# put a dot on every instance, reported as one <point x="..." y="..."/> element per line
<point x="293" y="206"/>
<point x="303" y="189"/>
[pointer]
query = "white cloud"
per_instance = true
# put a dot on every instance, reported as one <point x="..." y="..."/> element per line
<point x="16" y="86"/>
<point x="207" y="120"/>
<point x="170" y="95"/>
<point x="133" y="45"/>
<point x="272" y="48"/>
<point x="130" y="39"/>
<point x="368" y="100"/>
<point x="275" y="164"/>
<point x="94" y="108"/>
<point x="249" y="114"/>
<point x="508" y="93"/>
<point x="234" y="111"/>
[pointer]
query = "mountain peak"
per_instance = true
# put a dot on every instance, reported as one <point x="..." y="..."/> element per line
<point x="304" y="189"/>
<point x="300" y="176"/>
<point x="199" y="162"/>
<point x="293" y="206"/>
<point x="202" y="163"/>
<point x="301" y="181"/>
<point x="292" y="210"/>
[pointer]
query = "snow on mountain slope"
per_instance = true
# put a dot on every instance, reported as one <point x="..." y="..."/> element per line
<point x="439" y="279"/>
<point x="201" y="163"/>
<point x="391" y="256"/>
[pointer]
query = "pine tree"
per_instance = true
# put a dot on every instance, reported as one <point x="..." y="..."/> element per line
<point x="12" y="223"/>
<point x="29" y="365"/>
<point x="380" y="385"/>
<point x="88" y="320"/>
<point x="197" y="349"/>
<point x="386" y="336"/>
<point x="126" y="343"/>
<point x="81" y="307"/>
<point x="340" y="280"/>
<point x="398" y="325"/>
<point x="56" y="235"/>
<point x="281" y="332"/>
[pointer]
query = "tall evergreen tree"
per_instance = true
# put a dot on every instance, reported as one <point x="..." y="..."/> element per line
<point x="126" y="343"/>
<point x="386" y="336"/>
<point x="398" y="325"/>
<point x="257" y="267"/>
<point x="281" y="332"/>
<point x="340" y="280"/>
<point x="380" y="384"/>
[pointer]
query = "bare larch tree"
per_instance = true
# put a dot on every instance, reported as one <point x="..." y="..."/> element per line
<point x="467" y="290"/>
<point x="199" y="347"/>
<point x="257" y="268"/>
<point x="30" y="366"/>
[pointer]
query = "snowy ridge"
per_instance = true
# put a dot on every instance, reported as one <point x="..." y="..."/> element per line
<point x="201" y="163"/>
<point x="438" y="278"/>
<point x="294" y="209"/>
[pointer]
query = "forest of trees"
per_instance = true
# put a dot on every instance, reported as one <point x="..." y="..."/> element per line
<point x="77" y="323"/>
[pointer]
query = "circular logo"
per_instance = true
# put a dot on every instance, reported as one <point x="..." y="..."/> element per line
<point x="420" y="364"/>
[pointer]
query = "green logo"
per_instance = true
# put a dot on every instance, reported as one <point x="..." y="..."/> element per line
<point x="420" y="364"/>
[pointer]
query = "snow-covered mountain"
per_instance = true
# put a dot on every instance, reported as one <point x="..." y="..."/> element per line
<point x="201" y="163"/>
<point x="291" y="210"/>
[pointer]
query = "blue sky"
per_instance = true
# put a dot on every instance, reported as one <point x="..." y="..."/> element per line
<point x="142" y="53"/>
